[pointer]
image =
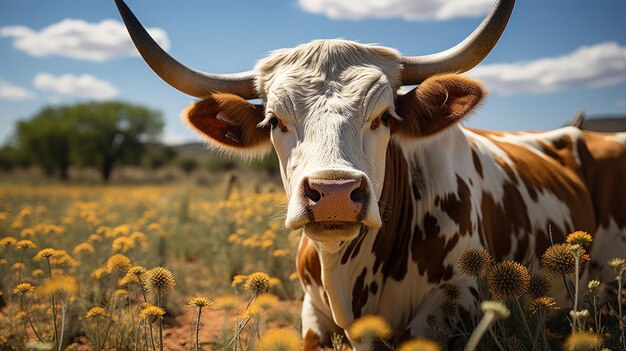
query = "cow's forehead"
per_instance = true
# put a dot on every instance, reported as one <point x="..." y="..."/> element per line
<point x="327" y="67"/>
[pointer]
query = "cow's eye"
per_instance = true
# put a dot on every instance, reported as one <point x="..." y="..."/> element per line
<point x="274" y="121"/>
<point x="385" y="118"/>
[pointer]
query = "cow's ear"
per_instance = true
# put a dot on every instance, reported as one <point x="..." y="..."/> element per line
<point x="436" y="104"/>
<point x="229" y="123"/>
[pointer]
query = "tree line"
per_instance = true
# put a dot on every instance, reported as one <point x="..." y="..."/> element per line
<point x="100" y="135"/>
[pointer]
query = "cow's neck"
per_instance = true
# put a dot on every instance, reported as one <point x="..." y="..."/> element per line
<point x="355" y="275"/>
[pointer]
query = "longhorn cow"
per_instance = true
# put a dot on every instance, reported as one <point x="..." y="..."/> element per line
<point x="390" y="189"/>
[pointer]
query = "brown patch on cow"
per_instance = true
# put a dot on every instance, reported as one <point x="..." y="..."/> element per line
<point x="391" y="246"/>
<point x="458" y="206"/>
<point x="603" y="163"/>
<point x="477" y="165"/>
<point x="360" y="294"/>
<point x="308" y="262"/>
<point x="429" y="250"/>
<point x="561" y="150"/>
<point x="354" y="246"/>
<point x="312" y="341"/>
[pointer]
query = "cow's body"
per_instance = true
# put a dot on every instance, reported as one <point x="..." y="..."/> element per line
<point x="465" y="188"/>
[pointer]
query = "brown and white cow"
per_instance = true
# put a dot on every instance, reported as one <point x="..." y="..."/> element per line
<point x="389" y="189"/>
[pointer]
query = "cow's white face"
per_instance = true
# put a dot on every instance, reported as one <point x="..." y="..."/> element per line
<point x="328" y="104"/>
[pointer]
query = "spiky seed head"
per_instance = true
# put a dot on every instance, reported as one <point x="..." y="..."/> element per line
<point x="498" y="308"/>
<point x="22" y="288"/>
<point x="508" y="280"/>
<point x="96" y="312"/>
<point x="583" y="341"/>
<point x="618" y="264"/>
<point x="515" y="344"/>
<point x="258" y="283"/>
<point x="540" y="284"/>
<point x="579" y="237"/>
<point x="448" y="308"/>
<point x="118" y="262"/>
<point x="541" y="304"/>
<point x="199" y="302"/>
<point x="451" y="291"/>
<point x="159" y="279"/>
<point x="25" y="244"/>
<point x="419" y="344"/>
<point x="474" y="262"/>
<point x="369" y="327"/>
<point x="280" y="340"/>
<point x="561" y="259"/>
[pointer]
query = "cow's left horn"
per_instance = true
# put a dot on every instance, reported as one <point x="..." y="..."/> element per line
<point x="181" y="77"/>
<point x="465" y="55"/>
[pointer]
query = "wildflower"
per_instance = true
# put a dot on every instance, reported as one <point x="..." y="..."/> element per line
<point x="280" y="340"/>
<point x="123" y="244"/>
<point x="45" y="253"/>
<point x="18" y="266"/>
<point x="118" y="262"/>
<point x="22" y="288"/>
<point x="448" y="308"/>
<point x="581" y="238"/>
<point x="27" y="232"/>
<point x="152" y="312"/>
<point x="25" y="244"/>
<point x="95" y="312"/>
<point x="559" y="258"/>
<point x="227" y="302"/>
<point x="508" y="280"/>
<point x="8" y="241"/>
<point x="593" y="286"/>
<point x="134" y="274"/>
<point x="83" y="248"/>
<point x="99" y="272"/>
<point x="617" y="263"/>
<point x="280" y="253"/>
<point x="62" y="285"/>
<point x="540" y="285"/>
<point x="369" y="327"/>
<point x="199" y="302"/>
<point x="583" y="341"/>
<point x="451" y="291"/>
<point x="258" y="283"/>
<point x="94" y="237"/>
<point x="61" y="257"/>
<point x="120" y="292"/>
<point x="541" y="304"/>
<point x="37" y="272"/>
<point x="52" y="229"/>
<point x="474" y="262"/>
<point x="293" y="276"/>
<point x="497" y="308"/>
<point x="265" y="301"/>
<point x="159" y="279"/>
<point x="419" y="344"/>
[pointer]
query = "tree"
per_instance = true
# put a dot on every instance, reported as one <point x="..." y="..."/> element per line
<point x="99" y="134"/>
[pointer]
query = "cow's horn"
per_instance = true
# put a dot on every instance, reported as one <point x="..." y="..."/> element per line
<point x="181" y="77"/>
<point x="465" y="55"/>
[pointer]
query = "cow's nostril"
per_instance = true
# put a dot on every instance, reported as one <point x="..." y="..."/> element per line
<point x="358" y="195"/>
<point x="310" y="193"/>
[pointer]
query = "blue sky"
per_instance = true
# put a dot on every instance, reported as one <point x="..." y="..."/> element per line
<point x="556" y="57"/>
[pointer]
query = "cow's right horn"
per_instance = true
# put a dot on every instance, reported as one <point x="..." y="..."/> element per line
<point x="181" y="77"/>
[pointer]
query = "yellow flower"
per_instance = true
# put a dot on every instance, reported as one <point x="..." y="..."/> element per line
<point x="583" y="341"/>
<point x="159" y="279"/>
<point x="617" y="263"/>
<point x="581" y="238"/>
<point x="83" y="248"/>
<point x="419" y="344"/>
<point x="280" y="253"/>
<point x="152" y="312"/>
<point x="118" y="262"/>
<point x="559" y="258"/>
<point x="22" y="288"/>
<point x="8" y="241"/>
<point x="27" y="232"/>
<point x="63" y="285"/>
<point x="199" y="302"/>
<point x="541" y="304"/>
<point x="18" y="266"/>
<point x="226" y="302"/>
<point x="280" y="340"/>
<point x="369" y="327"/>
<point x="99" y="272"/>
<point x="96" y="311"/>
<point x="239" y="280"/>
<point x="45" y="253"/>
<point x="123" y="244"/>
<point x="265" y="301"/>
<point x="258" y="283"/>
<point x="37" y="272"/>
<point x="25" y="244"/>
<point x="593" y="286"/>
<point x="61" y="257"/>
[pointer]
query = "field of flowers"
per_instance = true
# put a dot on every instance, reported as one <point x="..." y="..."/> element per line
<point x="190" y="267"/>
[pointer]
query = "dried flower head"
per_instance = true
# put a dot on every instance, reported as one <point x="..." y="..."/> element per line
<point x="448" y="308"/>
<point x="498" y="308"/>
<point x="593" y="286"/>
<point x="62" y="285"/>
<point x="561" y="259"/>
<point x="474" y="262"/>
<point x="618" y="264"/>
<point x="540" y="284"/>
<point x="96" y="312"/>
<point x="541" y="304"/>
<point x="118" y="262"/>
<point x="199" y="302"/>
<point x="583" y="341"/>
<point x="258" y="283"/>
<point x="226" y="302"/>
<point x="581" y="238"/>
<point x="159" y="279"/>
<point x="22" y="288"/>
<point x="239" y="280"/>
<point x="451" y="291"/>
<point x="508" y="280"/>
<point x="83" y="248"/>
<point x="370" y="328"/>
<point x="152" y="313"/>
<point x="25" y="244"/>
<point x="280" y="340"/>
<point x="419" y="344"/>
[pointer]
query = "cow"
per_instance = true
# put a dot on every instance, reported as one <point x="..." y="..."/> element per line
<point x="389" y="189"/>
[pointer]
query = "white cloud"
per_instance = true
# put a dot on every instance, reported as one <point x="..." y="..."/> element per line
<point x="79" y="39"/>
<point x="594" y="66"/>
<point x="9" y="91"/>
<point x="85" y="85"/>
<point x="410" y="10"/>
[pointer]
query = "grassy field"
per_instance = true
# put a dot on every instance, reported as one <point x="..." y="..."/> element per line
<point x="135" y="267"/>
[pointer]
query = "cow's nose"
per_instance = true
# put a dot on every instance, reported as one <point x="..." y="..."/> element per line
<point x="336" y="200"/>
